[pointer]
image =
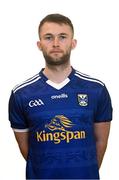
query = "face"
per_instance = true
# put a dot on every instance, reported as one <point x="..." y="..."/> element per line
<point x="56" y="43"/>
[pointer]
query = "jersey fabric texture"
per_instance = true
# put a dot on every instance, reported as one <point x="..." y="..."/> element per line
<point x="60" y="119"/>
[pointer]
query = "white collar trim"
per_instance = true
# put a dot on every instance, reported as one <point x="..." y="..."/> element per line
<point x="58" y="86"/>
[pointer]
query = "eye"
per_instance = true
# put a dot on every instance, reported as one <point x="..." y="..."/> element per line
<point x="48" y="38"/>
<point x="62" y="37"/>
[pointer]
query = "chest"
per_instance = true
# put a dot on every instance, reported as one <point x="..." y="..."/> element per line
<point x="60" y="109"/>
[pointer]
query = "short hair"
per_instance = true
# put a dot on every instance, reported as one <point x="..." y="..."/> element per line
<point x="56" y="18"/>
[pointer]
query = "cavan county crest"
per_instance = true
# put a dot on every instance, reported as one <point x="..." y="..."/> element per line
<point x="83" y="99"/>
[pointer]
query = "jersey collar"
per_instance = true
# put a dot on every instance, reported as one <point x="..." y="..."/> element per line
<point x="57" y="86"/>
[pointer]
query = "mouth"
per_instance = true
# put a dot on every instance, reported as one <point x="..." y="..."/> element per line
<point x="56" y="51"/>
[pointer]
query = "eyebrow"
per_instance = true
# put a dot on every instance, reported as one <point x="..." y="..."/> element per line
<point x="50" y="34"/>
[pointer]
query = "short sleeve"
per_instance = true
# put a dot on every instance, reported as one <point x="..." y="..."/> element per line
<point x="16" y="114"/>
<point x="104" y="106"/>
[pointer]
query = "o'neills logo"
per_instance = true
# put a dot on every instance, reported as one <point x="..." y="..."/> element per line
<point x="61" y="125"/>
<point x="61" y="96"/>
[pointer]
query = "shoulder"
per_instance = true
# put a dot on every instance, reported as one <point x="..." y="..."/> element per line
<point x="88" y="80"/>
<point x="27" y="83"/>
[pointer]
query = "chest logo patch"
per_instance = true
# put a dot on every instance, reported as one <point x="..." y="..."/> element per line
<point x="60" y="129"/>
<point x="59" y="122"/>
<point x="36" y="102"/>
<point x="83" y="99"/>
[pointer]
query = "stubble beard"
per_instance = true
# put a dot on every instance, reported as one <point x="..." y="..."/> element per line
<point x="65" y="59"/>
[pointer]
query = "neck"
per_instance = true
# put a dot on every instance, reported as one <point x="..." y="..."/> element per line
<point x="57" y="74"/>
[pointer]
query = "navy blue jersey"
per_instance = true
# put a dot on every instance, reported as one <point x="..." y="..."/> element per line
<point x="60" y="119"/>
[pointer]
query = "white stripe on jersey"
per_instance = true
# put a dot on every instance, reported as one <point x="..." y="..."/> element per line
<point x="20" y="130"/>
<point x="30" y="81"/>
<point x="88" y="78"/>
<point x="78" y="72"/>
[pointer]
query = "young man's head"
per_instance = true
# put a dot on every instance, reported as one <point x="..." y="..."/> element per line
<point x="56" y="18"/>
<point x="56" y="39"/>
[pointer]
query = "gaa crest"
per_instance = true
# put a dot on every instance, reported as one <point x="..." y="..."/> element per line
<point x="83" y="99"/>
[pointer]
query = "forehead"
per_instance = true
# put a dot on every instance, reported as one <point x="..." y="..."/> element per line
<point x="55" y="28"/>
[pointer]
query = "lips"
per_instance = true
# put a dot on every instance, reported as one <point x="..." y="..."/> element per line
<point x="56" y="51"/>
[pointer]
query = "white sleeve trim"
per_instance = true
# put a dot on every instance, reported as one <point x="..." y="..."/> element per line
<point x="20" y="130"/>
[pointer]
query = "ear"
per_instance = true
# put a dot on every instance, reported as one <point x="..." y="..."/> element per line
<point x="39" y="45"/>
<point x="74" y="43"/>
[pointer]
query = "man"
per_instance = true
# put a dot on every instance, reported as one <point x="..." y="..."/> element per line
<point x="60" y="117"/>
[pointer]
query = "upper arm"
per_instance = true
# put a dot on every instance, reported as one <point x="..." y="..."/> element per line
<point x="101" y="131"/>
<point x="22" y="137"/>
<point x="16" y="113"/>
<point x="23" y="142"/>
<point x="19" y="123"/>
<point x="104" y="109"/>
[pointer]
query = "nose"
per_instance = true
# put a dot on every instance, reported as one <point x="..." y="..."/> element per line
<point x="56" y="42"/>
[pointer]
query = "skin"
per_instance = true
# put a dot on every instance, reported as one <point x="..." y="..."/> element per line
<point x="23" y="142"/>
<point x="56" y="43"/>
<point x="101" y="132"/>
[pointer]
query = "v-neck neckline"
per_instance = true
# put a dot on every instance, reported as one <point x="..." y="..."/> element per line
<point x="57" y="86"/>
